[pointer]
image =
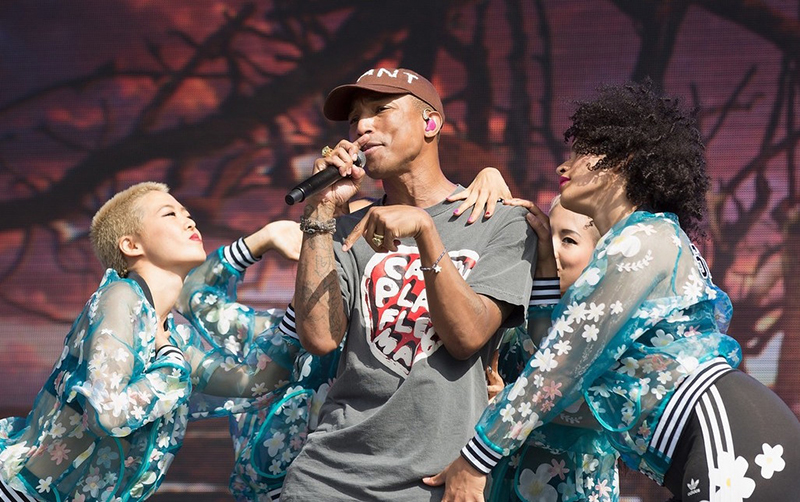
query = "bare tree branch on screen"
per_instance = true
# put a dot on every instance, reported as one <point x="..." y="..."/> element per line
<point x="363" y="33"/>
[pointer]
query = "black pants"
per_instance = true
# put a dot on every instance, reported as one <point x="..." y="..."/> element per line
<point x="741" y="443"/>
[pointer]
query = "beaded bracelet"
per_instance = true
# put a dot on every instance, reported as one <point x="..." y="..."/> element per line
<point x="435" y="268"/>
<point x="312" y="227"/>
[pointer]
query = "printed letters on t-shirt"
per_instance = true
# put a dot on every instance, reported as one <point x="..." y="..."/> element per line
<point x="395" y="306"/>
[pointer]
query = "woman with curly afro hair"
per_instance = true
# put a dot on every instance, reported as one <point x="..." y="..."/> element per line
<point x="641" y="334"/>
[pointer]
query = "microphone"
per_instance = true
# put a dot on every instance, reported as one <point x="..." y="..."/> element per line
<point x="319" y="181"/>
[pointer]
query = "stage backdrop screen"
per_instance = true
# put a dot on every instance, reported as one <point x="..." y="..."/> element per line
<point x="222" y="101"/>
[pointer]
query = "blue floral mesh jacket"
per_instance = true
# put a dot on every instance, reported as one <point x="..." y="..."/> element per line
<point x="561" y="463"/>
<point x="113" y="413"/>
<point x="642" y="316"/>
<point x="269" y="432"/>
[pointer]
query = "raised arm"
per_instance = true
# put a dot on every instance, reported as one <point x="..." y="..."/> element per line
<point x="208" y="297"/>
<point x="252" y="351"/>
<point x="318" y="297"/>
<point x="482" y="195"/>
<point x="318" y="301"/>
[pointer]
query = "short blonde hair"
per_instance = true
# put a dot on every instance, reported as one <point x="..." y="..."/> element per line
<point x="118" y="217"/>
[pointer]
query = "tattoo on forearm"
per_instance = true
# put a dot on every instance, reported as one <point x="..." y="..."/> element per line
<point x="317" y="293"/>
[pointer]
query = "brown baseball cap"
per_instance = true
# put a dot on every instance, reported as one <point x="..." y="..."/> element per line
<point x="385" y="81"/>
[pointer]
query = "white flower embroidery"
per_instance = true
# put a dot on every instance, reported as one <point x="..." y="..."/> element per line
<point x="544" y="360"/>
<point x="525" y="409"/>
<point x="687" y="364"/>
<point x="659" y="391"/>
<point x="44" y="485"/>
<point x="576" y="312"/>
<point x="589" y="465"/>
<point x="629" y="366"/>
<point x="616" y="307"/>
<point x="662" y="339"/>
<point x="274" y="443"/>
<point x="730" y="478"/>
<point x="625" y="243"/>
<point x="223" y="317"/>
<point x="232" y="345"/>
<point x="533" y="486"/>
<point x="590" y="276"/>
<point x="595" y="312"/>
<point x="275" y="468"/>
<point x="119" y="404"/>
<point x="561" y="326"/>
<point x="518" y="388"/>
<point x="644" y="384"/>
<point x="507" y="413"/>
<point x="601" y="390"/>
<point x="590" y="332"/>
<point x="562" y="347"/>
<point x="771" y="461"/>
<point x="693" y="288"/>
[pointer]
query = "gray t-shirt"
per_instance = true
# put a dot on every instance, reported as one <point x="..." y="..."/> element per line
<point x="402" y="407"/>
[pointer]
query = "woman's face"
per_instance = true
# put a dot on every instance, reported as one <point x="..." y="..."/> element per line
<point x="582" y="186"/>
<point x="168" y="237"/>
<point x="574" y="238"/>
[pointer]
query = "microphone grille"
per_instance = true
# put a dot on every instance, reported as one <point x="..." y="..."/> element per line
<point x="361" y="161"/>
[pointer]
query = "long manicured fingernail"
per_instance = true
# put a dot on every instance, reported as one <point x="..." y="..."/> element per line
<point x="456" y="213"/>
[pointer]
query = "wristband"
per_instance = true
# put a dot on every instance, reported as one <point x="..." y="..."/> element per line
<point x="312" y="227"/>
<point x="169" y="350"/>
<point x="546" y="291"/>
<point x="480" y="456"/>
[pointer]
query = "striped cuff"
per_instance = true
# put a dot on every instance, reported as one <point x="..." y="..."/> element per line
<point x="545" y="291"/>
<point x="480" y="456"/>
<point x="170" y="351"/>
<point x="238" y="255"/>
<point x="287" y="325"/>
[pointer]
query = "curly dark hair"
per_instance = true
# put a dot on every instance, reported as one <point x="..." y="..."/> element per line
<point x="655" y="143"/>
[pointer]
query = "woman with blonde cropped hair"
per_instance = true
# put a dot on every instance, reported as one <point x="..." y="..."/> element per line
<point x="113" y="413"/>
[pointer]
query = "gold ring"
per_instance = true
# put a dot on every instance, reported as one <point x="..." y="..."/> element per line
<point x="326" y="151"/>
<point x="377" y="239"/>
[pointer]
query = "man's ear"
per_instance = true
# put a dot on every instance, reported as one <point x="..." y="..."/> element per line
<point x="129" y="246"/>
<point x="433" y="123"/>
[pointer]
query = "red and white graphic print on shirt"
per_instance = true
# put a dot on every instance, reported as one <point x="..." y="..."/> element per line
<point x="395" y="306"/>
